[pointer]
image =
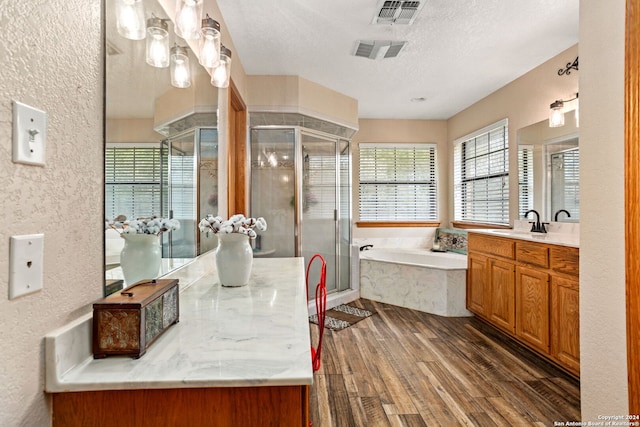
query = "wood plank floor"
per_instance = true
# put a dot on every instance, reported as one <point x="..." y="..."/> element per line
<point x="402" y="367"/>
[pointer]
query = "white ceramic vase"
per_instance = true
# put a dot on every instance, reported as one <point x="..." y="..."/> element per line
<point x="141" y="257"/>
<point x="234" y="258"/>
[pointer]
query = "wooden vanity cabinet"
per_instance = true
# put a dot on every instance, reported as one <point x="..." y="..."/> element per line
<point x="532" y="307"/>
<point x="478" y="295"/>
<point x="528" y="290"/>
<point x="502" y="311"/>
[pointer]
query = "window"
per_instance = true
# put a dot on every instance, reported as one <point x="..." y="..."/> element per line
<point x="132" y="178"/>
<point x="481" y="176"/>
<point x="525" y="178"/>
<point x="565" y="182"/>
<point x="398" y="182"/>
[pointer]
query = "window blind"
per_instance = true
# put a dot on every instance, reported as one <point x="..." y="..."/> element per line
<point x="132" y="178"/>
<point x="481" y="175"/>
<point x="183" y="186"/>
<point x="525" y="178"/>
<point x="398" y="182"/>
<point x="319" y="189"/>
<point x="570" y="165"/>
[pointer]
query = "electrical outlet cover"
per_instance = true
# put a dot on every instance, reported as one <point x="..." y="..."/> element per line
<point x="26" y="264"/>
<point x="29" y="134"/>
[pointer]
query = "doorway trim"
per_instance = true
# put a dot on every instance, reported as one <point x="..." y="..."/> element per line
<point x="237" y="166"/>
<point x="632" y="199"/>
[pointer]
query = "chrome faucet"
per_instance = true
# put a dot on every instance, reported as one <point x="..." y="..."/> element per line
<point x="555" y="217"/>
<point x="536" y="226"/>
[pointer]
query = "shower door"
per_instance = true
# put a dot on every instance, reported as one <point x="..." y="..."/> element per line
<point x="318" y="214"/>
<point x="300" y="184"/>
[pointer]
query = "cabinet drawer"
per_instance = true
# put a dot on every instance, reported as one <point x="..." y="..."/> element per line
<point x="565" y="260"/>
<point x="491" y="245"/>
<point x="533" y="254"/>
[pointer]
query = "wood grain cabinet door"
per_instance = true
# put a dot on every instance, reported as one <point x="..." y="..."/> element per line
<point x="532" y="307"/>
<point x="477" y="285"/>
<point x="502" y="304"/>
<point x="565" y="322"/>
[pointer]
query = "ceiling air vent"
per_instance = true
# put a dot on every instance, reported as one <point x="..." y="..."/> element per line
<point x="374" y="49"/>
<point x="397" y="12"/>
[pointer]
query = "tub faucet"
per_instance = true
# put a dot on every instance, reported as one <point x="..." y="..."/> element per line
<point x="536" y="226"/>
<point x="365" y="247"/>
<point x="555" y="217"/>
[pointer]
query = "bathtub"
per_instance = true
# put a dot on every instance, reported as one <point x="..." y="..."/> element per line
<point x="419" y="279"/>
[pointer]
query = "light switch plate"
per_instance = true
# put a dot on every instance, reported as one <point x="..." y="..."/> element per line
<point x="29" y="134"/>
<point x="26" y="264"/>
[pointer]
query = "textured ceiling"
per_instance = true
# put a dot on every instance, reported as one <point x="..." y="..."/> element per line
<point x="458" y="51"/>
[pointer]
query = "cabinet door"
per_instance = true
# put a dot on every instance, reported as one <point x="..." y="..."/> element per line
<point x="477" y="285"/>
<point x="565" y="322"/>
<point x="502" y="301"/>
<point x="532" y="307"/>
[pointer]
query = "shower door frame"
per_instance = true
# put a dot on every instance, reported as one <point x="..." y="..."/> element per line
<point x="298" y="192"/>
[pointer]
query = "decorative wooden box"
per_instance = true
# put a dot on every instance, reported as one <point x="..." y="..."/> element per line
<point x="127" y="322"/>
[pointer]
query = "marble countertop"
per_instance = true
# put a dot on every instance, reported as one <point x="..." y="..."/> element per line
<point x="552" y="238"/>
<point x="255" y="335"/>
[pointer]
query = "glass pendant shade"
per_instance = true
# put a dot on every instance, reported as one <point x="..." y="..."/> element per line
<point x="180" y="70"/>
<point x="556" y="116"/>
<point x="188" y="18"/>
<point x="210" y="43"/>
<point x="157" y="43"/>
<point x="222" y="73"/>
<point x="130" y="19"/>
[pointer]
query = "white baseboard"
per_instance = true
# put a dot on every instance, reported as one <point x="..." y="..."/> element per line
<point x="336" y="299"/>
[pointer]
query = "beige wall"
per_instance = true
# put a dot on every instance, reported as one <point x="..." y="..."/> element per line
<point x="63" y="200"/>
<point x="200" y="97"/>
<point x="524" y="101"/>
<point x="602" y="270"/>
<point x="131" y="130"/>
<point x="398" y="131"/>
<point x="293" y="94"/>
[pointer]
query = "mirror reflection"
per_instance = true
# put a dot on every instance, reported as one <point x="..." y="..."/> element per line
<point x="161" y="142"/>
<point x="549" y="170"/>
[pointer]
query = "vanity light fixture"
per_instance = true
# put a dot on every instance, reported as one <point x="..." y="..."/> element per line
<point x="556" y="115"/>
<point x="180" y="69"/>
<point x="188" y="18"/>
<point x="220" y="75"/>
<point x="157" y="42"/>
<point x="210" y="43"/>
<point x="130" y="19"/>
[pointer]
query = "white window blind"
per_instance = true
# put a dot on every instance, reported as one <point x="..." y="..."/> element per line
<point x="132" y="178"/>
<point x="569" y="163"/>
<point x="481" y="175"/>
<point x="183" y="186"/>
<point x="525" y="178"/>
<point x="319" y="192"/>
<point x="398" y="182"/>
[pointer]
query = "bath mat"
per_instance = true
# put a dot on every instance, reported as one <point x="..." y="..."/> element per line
<point x="342" y="316"/>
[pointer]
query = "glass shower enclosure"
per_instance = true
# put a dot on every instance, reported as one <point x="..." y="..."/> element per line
<point x="189" y="189"/>
<point x="301" y="184"/>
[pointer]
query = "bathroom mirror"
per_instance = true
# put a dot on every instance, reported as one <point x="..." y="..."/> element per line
<point x="160" y="143"/>
<point x="548" y="170"/>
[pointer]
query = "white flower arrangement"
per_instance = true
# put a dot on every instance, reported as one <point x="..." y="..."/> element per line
<point x="236" y="224"/>
<point x="152" y="225"/>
